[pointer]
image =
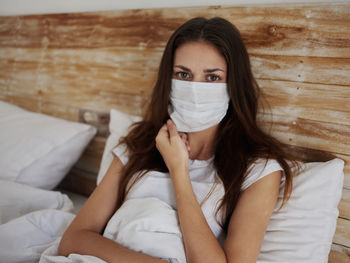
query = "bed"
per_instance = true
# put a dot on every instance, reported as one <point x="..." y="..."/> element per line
<point x="85" y="64"/>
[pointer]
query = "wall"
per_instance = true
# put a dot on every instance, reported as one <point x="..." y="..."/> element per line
<point x="19" y="7"/>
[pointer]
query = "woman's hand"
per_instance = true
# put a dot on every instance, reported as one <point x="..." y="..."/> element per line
<point x="173" y="146"/>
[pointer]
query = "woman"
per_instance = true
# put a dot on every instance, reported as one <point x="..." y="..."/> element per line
<point x="203" y="109"/>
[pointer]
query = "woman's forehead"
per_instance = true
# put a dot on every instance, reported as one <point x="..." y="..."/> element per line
<point x="194" y="55"/>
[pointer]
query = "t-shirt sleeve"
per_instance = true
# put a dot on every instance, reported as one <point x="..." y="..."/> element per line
<point x="259" y="169"/>
<point x="121" y="152"/>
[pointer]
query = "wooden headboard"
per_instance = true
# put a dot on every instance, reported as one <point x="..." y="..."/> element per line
<point x="68" y="64"/>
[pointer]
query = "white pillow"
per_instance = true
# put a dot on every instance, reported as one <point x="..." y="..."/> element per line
<point x="118" y="127"/>
<point x="37" y="149"/>
<point x="302" y="231"/>
<point x="18" y="199"/>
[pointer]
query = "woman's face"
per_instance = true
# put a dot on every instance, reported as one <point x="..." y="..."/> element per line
<point x="199" y="61"/>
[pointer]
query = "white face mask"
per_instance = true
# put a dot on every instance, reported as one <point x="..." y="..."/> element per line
<point x="197" y="106"/>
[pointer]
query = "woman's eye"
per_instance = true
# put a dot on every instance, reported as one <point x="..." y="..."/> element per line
<point x="182" y="75"/>
<point x="213" y="77"/>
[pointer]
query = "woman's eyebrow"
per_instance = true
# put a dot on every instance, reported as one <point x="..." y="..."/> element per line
<point x="205" y="71"/>
<point x="183" y="68"/>
<point x="212" y="70"/>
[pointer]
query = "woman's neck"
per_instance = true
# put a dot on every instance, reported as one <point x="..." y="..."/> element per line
<point x="202" y="143"/>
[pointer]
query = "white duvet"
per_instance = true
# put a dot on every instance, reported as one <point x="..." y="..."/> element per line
<point x="146" y="225"/>
<point x="33" y="221"/>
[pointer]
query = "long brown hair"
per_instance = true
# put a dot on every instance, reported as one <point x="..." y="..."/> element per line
<point x="239" y="140"/>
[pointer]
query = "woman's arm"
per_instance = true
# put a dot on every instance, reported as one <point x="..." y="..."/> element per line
<point x="249" y="221"/>
<point x="247" y="225"/>
<point x="200" y="243"/>
<point x="84" y="235"/>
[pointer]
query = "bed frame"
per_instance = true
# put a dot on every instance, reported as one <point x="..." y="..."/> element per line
<point x="79" y="65"/>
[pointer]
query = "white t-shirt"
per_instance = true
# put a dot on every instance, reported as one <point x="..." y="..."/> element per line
<point x="203" y="178"/>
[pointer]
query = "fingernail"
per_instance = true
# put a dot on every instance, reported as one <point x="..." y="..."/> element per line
<point x="169" y="121"/>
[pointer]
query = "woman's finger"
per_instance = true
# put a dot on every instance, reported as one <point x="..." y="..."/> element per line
<point x="172" y="129"/>
<point x="187" y="146"/>
<point x="184" y="139"/>
<point x="163" y="128"/>
<point x="162" y="134"/>
<point x="182" y="135"/>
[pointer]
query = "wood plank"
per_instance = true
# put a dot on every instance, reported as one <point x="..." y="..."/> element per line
<point x="333" y="71"/>
<point x="129" y="71"/>
<point x="89" y="162"/>
<point x="339" y="254"/>
<point x="59" y="109"/>
<point x="294" y="30"/>
<point x="4" y="78"/>
<point x="91" y="67"/>
<point x="342" y="233"/>
<point x="344" y="205"/>
<point x="91" y="158"/>
<point x="296" y="131"/>
<point x="130" y="104"/>
<point x="31" y="104"/>
<point x="96" y="146"/>
<point x="346" y="158"/>
<point x="298" y="29"/>
<point x="77" y="181"/>
<point x="55" y="83"/>
<point x="36" y="104"/>
<point x="307" y="100"/>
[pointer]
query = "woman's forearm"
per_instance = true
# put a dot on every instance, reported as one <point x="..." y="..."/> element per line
<point x="200" y="243"/>
<point x="91" y="243"/>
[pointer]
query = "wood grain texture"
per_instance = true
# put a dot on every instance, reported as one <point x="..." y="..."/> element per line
<point x="300" y="54"/>
<point x="320" y="30"/>
<point x="318" y="102"/>
<point x="346" y="158"/>
<point x="344" y="205"/>
<point x="323" y="136"/>
<point x="79" y="181"/>
<point x="342" y="234"/>
<point x="339" y="254"/>
<point x="317" y="70"/>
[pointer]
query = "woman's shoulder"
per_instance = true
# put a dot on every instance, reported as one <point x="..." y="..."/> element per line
<point x="259" y="169"/>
